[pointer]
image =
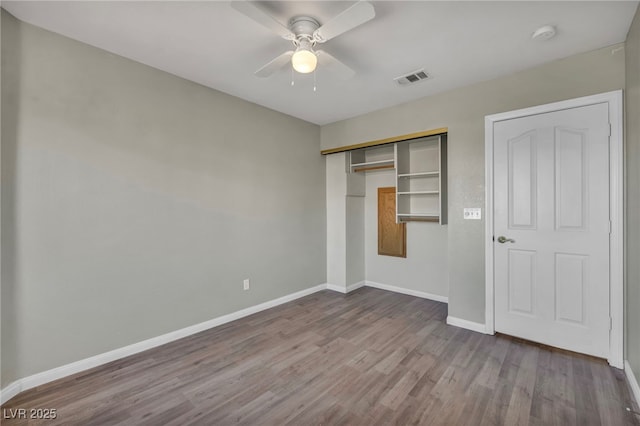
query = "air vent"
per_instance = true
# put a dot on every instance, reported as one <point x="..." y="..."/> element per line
<point x="414" y="77"/>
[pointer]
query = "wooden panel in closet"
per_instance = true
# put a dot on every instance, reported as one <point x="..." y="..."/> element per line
<point x="392" y="236"/>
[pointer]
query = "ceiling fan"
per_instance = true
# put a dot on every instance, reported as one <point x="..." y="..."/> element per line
<point x="305" y="33"/>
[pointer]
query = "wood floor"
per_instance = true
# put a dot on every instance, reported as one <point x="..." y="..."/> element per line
<point x="372" y="357"/>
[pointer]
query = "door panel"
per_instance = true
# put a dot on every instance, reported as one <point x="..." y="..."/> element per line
<point x="571" y="182"/>
<point x="522" y="181"/>
<point x="551" y="197"/>
<point x="570" y="283"/>
<point x="521" y="281"/>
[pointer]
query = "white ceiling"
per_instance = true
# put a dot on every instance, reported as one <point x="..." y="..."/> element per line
<point x="457" y="43"/>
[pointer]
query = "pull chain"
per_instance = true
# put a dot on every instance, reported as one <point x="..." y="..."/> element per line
<point x="314" y="79"/>
<point x="292" y="83"/>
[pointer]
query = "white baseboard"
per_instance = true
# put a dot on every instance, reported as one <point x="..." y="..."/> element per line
<point x="407" y="291"/>
<point x="38" y="379"/>
<point x="633" y="382"/>
<point x="395" y="289"/>
<point x="355" y="286"/>
<point x="347" y="289"/>
<point x="469" y="325"/>
<point x="10" y="391"/>
<point x="339" y="288"/>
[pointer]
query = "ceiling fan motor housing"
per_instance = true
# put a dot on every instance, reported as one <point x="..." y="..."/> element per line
<point x="303" y="27"/>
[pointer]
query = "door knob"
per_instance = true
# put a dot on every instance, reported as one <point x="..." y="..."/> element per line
<point x="502" y="239"/>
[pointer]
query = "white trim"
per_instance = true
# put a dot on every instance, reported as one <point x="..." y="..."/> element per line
<point x="338" y="288"/>
<point x="616" y="238"/>
<point x="633" y="382"/>
<point x="347" y="289"/>
<point x="469" y="325"/>
<point x="38" y="379"/>
<point x="488" y="220"/>
<point x="407" y="291"/>
<point x="616" y="308"/>
<point x="355" y="286"/>
<point x="10" y="391"/>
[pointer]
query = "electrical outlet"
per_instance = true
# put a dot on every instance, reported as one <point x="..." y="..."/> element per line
<point x="246" y="284"/>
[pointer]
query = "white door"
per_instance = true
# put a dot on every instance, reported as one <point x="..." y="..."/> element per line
<point x="551" y="204"/>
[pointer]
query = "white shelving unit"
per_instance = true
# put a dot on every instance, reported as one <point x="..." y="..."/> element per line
<point x="421" y="180"/>
<point x="369" y="159"/>
<point x="421" y="175"/>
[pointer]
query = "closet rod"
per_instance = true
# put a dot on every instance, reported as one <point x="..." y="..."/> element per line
<point x="365" y="169"/>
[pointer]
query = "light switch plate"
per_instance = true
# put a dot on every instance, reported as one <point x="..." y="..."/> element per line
<point x="472" y="213"/>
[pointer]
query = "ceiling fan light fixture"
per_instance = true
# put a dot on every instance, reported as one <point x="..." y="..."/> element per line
<point x="305" y="32"/>
<point x="304" y="60"/>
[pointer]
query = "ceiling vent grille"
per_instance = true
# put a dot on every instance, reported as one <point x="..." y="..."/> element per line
<point x="414" y="77"/>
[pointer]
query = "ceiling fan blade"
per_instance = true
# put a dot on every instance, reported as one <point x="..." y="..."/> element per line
<point x="357" y="14"/>
<point x="274" y="65"/>
<point x="256" y="13"/>
<point x="334" y="66"/>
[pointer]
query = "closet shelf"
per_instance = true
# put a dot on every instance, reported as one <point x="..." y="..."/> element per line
<point x="419" y="214"/>
<point x="369" y="168"/>
<point x="418" y="174"/>
<point x="417" y="217"/>
<point x="373" y="163"/>
<point x="421" y="185"/>
<point x="419" y="193"/>
<point x="365" y="160"/>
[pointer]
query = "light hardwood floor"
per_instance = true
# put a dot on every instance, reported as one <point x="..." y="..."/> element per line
<point x="371" y="357"/>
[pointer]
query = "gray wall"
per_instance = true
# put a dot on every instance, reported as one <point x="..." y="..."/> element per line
<point x="9" y="90"/>
<point x="632" y="155"/>
<point x="463" y="111"/>
<point x="140" y="201"/>
<point x="425" y="267"/>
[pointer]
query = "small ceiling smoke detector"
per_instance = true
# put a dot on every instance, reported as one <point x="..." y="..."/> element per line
<point x="544" y="33"/>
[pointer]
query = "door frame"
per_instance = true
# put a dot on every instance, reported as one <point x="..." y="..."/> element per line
<point x="616" y="210"/>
